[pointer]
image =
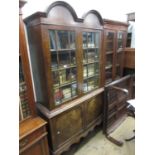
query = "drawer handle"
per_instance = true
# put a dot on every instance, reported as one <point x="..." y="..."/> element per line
<point x="23" y="143"/>
<point x="58" y="132"/>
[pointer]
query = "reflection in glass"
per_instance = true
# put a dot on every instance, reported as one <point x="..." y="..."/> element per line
<point x="63" y="40"/>
<point x="73" y="58"/>
<point x="120" y="39"/>
<point x="74" y="89"/>
<point x="91" y="69"/>
<point x="84" y="56"/>
<point x="54" y="59"/>
<point x="64" y="59"/>
<point x="72" y="39"/>
<point x="91" y="55"/>
<point x="85" y="72"/>
<point x="84" y="39"/>
<point x="91" y="39"/>
<point x="52" y="39"/>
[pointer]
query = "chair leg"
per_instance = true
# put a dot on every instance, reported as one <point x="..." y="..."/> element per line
<point x="115" y="141"/>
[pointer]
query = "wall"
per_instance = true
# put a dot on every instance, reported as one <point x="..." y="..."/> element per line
<point x="110" y="9"/>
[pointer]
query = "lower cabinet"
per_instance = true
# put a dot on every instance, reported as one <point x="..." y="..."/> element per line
<point x="93" y="110"/>
<point x="66" y="127"/>
<point x="33" y="137"/>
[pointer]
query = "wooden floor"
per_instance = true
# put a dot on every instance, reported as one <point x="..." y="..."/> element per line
<point x="96" y="143"/>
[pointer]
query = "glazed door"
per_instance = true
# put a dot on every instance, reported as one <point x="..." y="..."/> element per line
<point x="110" y="53"/>
<point x="63" y="65"/>
<point x="91" y="54"/>
<point x="119" y="54"/>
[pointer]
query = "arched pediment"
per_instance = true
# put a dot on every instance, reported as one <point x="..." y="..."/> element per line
<point x="61" y="11"/>
<point x="93" y="17"/>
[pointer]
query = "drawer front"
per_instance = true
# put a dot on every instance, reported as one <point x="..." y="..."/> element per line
<point x="66" y="125"/>
<point x="30" y="138"/>
<point x="93" y="108"/>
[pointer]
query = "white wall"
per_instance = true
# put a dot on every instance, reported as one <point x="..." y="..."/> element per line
<point x="110" y="9"/>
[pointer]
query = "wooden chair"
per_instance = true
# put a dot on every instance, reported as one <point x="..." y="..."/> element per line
<point x="115" y="106"/>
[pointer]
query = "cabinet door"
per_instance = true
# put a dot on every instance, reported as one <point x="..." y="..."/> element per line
<point x="63" y="65"/>
<point x="109" y="51"/>
<point x="91" y="53"/>
<point x="67" y="125"/>
<point x="39" y="148"/>
<point x="93" y="109"/>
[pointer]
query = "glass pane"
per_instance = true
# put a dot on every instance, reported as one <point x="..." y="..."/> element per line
<point x="56" y="78"/>
<point x="64" y="76"/>
<point x="66" y="93"/>
<point x="74" y="89"/>
<point x="96" y="39"/>
<point x="96" y="65"/>
<point x="85" y="56"/>
<point x="63" y="40"/>
<point x="73" y="58"/>
<point x="91" y="39"/>
<point x="72" y="75"/>
<point x="85" y="86"/>
<point x="64" y="59"/>
<point x="91" y="55"/>
<point x="85" y="71"/>
<point x="109" y="60"/>
<point x="109" y="41"/>
<point x="54" y="60"/>
<point x="118" y="58"/>
<point x="72" y="39"/>
<point x="58" y="95"/>
<point x="91" y="69"/>
<point x="52" y="39"/>
<point x="108" y="74"/>
<point x="96" y="57"/>
<point x="120" y="39"/>
<point x="84" y="39"/>
<point x="92" y="83"/>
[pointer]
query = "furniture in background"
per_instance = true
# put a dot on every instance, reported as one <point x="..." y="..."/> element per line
<point x="129" y="58"/>
<point x="32" y="130"/>
<point x="115" y="105"/>
<point x="115" y="35"/>
<point x="68" y="72"/>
